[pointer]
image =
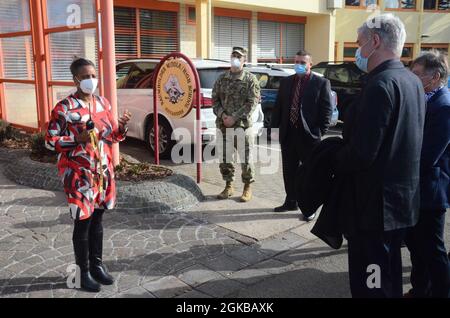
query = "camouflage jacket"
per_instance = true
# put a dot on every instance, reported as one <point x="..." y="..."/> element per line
<point x="237" y="97"/>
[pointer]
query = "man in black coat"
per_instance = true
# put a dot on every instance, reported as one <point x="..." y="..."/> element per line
<point x="382" y="157"/>
<point x="302" y="113"/>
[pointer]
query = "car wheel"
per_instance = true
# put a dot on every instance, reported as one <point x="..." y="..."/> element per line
<point x="165" y="142"/>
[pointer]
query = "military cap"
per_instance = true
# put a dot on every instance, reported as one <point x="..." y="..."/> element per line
<point x="239" y="50"/>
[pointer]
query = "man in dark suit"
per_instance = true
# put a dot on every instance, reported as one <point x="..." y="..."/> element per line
<point x="302" y="113"/>
<point x="430" y="273"/>
<point x="381" y="157"/>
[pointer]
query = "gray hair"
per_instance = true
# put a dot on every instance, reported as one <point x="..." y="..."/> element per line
<point x="434" y="62"/>
<point x="390" y="29"/>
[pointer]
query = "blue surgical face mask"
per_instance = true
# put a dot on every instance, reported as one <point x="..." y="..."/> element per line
<point x="362" y="62"/>
<point x="300" y="69"/>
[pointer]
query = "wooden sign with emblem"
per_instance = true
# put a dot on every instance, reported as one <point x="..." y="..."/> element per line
<point x="177" y="91"/>
<point x="175" y="86"/>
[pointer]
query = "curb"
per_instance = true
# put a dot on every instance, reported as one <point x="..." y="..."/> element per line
<point x="174" y="193"/>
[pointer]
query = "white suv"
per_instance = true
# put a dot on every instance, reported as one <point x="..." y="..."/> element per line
<point x="135" y="93"/>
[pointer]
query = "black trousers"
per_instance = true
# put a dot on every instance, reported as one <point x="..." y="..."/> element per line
<point x="294" y="151"/>
<point x="86" y="233"/>
<point x="430" y="273"/>
<point x="82" y="228"/>
<point x="375" y="264"/>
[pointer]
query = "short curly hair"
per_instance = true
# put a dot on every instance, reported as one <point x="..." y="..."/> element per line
<point x="78" y="63"/>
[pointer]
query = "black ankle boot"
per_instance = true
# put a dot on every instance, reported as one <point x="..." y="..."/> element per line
<point x="96" y="267"/>
<point x="81" y="249"/>
<point x="287" y="206"/>
<point x="100" y="274"/>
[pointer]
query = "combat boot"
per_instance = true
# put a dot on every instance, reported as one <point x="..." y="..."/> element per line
<point x="247" y="194"/>
<point x="227" y="192"/>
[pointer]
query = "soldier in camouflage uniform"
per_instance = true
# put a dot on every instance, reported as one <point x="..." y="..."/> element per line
<point x="235" y="95"/>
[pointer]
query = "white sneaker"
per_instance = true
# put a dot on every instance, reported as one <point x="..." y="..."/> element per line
<point x="309" y="218"/>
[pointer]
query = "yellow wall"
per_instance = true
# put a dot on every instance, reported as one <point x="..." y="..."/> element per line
<point x="417" y="23"/>
<point x="203" y="28"/>
<point x="276" y="6"/>
<point x="437" y="26"/>
<point x="324" y="27"/>
<point x="188" y="41"/>
<point x="21" y="104"/>
<point x="320" y="37"/>
<point x="349" y="20"/>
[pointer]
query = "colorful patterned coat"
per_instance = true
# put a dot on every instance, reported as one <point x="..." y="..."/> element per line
<point x="80" y="165"/>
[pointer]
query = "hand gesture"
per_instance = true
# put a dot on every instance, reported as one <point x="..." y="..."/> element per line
<point x="228" y="121"/>
<point x="83" y="137"/>
<point x="123" y="120"/>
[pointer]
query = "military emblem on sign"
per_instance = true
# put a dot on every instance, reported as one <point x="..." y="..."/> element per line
<point x="173" y="89"/>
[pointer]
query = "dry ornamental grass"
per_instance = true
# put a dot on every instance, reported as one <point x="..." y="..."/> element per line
<point x="127" y="171"/>
<point x="11" y="138"/>
<point x="16" y="144"/>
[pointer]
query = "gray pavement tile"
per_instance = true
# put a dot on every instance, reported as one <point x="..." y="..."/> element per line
<point x="280" y="243"/>
<point x="79" y="293"/>
<point x="40" y="291"/>
<point x="273" y="266"/>
<point x="301" y="283"/>
<point x="33" y="260"/>
<point x="309" y="253"/>
<point x="198" y="274"/>
<point x="194" y="294"/>
<point x="221" y="288"/>
<point x="249" y="276"/>
<point x="167" y="287"/>
<point x="125" y="282"/>
<point x="181" y="266"/>
<point x="137" y="292"/>
<point x="246" y="254"/>
<point x="223" y="264"/>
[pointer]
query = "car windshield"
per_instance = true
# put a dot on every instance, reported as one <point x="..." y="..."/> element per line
<point x="320" y="70"/>
<point x="209" y="76"/>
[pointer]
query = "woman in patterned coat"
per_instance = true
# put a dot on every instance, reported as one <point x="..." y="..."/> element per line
<point x="82" y="131"/>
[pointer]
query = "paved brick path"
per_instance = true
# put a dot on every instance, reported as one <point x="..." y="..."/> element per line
<point x="158" y="255"/>
<point x="217" y="249"/>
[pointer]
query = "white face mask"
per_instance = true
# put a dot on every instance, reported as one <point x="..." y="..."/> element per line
<point x="235" y="63"/>
<point x="89" y="85"/>
<point x="430" y="82"/>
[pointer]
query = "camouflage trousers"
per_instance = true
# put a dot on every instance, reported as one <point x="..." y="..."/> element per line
<point x="234" y="143"/>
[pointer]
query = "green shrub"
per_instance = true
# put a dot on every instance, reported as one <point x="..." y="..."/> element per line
<point x="38" y="145"/>
<point x="5" y="129"/>
<point x="9" y="132"/>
